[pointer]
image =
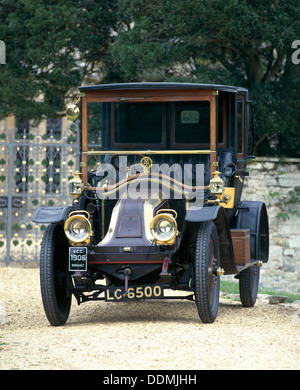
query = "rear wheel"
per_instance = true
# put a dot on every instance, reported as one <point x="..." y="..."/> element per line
<point x="207" y="283"/>
<point x="248" y="282"/>
<point x="54" y="275"/>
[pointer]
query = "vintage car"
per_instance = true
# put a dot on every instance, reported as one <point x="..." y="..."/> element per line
<point x="157" y="205"/>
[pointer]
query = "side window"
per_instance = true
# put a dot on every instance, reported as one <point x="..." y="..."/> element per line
<point x="95" y="123"/>
<point x="192" y="122"/>
<point x="240" y="125"/>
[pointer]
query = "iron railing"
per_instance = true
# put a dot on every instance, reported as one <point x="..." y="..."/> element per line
<point x="34" y="171"/>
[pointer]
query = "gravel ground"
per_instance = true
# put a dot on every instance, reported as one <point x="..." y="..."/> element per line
<point x="151" y="335"/>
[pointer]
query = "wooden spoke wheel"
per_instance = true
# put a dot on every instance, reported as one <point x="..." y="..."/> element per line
<point x="54" y="275"/>
<point x="206" y="281"/>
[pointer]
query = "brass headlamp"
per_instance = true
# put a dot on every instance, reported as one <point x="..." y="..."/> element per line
<point x="216" y="185"/>
<point x="164" y="227"/>
<point x="76" y="186"/>
<point x="78" y="228"/>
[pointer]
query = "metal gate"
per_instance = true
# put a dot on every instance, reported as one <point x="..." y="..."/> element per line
<point x="34" y="171"/>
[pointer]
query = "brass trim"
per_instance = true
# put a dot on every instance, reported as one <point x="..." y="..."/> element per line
<point x="123" y="152"/>
<point x="102" y="218"/>
<point x="220" y="271"/>
<point x="167" y="211"/>
<point x="228" y="195"/>
<point x="149" y="208"/>
<point x="216" y="185"/>
<point x="140" y="176"/>
<point x="146" y="163"/>
<point x="78" y="212"/>
<point x="76" y="180"/>
<point x="115" y="190"/>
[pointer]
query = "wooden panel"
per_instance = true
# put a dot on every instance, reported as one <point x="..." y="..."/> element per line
<point x="241" y="246"/>
<point x="148" y="95"/>
<point x="84" y="140"/>
<point x="213" y="132"/>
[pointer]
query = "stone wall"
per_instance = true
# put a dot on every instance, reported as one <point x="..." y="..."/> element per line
<point x="271" y="180"/>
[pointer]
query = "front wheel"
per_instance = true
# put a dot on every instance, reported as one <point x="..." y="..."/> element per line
<point x="54" y="275"/>
<point x="206" y="281"/>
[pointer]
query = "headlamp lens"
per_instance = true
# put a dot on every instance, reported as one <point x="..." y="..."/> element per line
<point x="77" y="228"/>
<point x="163" y="227"/>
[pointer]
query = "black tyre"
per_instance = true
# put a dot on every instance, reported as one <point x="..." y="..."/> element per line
<point x="54" y="275"/>
<point x="248" y="282"/>
<point x="206" y="281"/>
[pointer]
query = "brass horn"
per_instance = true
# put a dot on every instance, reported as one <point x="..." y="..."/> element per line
<point x="73" y="111"/>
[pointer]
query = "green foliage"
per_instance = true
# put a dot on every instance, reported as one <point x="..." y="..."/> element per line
<point x="52" y="47"/>
<point x="239" y="42"/>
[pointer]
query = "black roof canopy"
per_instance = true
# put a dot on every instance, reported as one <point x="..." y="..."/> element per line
<point x="128" y="86"/>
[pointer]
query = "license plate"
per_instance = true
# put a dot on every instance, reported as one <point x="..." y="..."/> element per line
<point x="134" y="293"/>
<point x="77" y="259"/>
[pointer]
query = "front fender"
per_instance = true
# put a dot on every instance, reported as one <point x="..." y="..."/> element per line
<point x="218" y="215"/>
<point x="202" y="214"/>
<point x="253" y="215"/>
<point x="51" y="214"/>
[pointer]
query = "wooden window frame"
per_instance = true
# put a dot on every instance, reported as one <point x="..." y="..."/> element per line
<point x="148" y="96"/>
<point x="240" y="155"/>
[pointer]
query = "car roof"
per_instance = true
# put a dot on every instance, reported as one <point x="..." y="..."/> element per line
<point x="128" y="86"/>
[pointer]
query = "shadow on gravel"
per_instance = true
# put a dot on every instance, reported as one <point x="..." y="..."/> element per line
<point x="151" y="311"/>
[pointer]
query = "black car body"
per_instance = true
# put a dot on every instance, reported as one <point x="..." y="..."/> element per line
<point x="157" y="204"/>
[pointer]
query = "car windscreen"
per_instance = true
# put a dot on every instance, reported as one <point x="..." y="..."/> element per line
<point x="149" y="124"/>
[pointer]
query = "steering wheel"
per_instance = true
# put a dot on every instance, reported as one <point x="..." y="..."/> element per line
<point x="231" y="166"/>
